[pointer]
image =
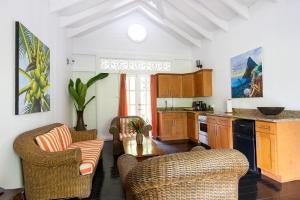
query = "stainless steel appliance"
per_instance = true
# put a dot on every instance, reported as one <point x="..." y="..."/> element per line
<point x="202" y="120"/>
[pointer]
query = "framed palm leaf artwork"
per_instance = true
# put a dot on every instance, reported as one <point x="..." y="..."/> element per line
<point x="32" y="73"/>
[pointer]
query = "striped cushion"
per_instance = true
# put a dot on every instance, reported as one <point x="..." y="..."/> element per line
<point x="90" y="150"/>
<point x="49" y="141"/>
<point x="124" y="130"/>
<point x="64" y="136"/>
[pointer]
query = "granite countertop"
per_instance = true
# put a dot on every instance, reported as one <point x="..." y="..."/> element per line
<point x="184" y="110"/>
<point x="285" y="116"/>
<point x="250" y="114"/>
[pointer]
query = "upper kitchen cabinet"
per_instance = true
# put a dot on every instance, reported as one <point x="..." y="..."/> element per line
<point x="188" y="89"/>
<point x="169" y="85"/>
<point x="197" y="84"/>
<point x="203" y="83"/>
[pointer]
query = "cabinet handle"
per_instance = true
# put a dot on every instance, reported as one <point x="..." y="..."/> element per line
<point x="216" y="130"/>
<point x="271" y="155"/>
<point x="264" y="127"/>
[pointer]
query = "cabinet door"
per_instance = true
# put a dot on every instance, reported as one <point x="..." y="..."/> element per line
<point x="266" y="152"/>
<point x="203" y="83"/>
<point x="198" y="81"/>
<point x="180" y="126"/>
<point x="175" y="85"/>
<point x="188" y="85"/>
<point x="211" y="134"/>
<point x="192" y="127"/>
<point x="207" y="83"/>
<point x="223" y="137"/>
<point x="163" y="85"/>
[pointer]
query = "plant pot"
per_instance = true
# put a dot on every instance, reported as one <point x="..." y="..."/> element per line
<point x="80" y="126"/>
<point x="139" y="138"/>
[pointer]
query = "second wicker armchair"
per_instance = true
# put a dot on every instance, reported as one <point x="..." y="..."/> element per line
<point x="118" y="129"/>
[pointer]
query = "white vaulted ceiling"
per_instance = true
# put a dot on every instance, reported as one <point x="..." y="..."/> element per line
<point x="191" y="20"/>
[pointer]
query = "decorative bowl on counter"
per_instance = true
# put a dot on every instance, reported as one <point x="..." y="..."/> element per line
<point x="270" y="110"/>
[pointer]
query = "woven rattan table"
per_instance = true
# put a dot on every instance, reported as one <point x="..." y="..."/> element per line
<point x="148" y="149"/>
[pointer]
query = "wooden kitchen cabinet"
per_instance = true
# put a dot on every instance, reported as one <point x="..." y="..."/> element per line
<point x="266" y="147"/>
<point x="193" y="126"/>
<point x="163" y="82"/>
<point x="203" y="83"/>
<point x="277" y="149"/>
<point x="224" y="139"/>
<point x="197" y="84"/>
<point x="211" y="135"/>
<point x="188" y="89"/>
<point x="169" y="85"/>
<point x="219" y="132"/>
<point x="266" y="152"/>
<point x="172" y="126"/>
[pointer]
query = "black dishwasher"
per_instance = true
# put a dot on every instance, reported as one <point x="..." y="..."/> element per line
<point x="244" y="140"/>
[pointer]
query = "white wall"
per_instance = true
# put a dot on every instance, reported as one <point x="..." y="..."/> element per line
<point x="276" y="28"/>
<point x="33" y="14"/>
<point x="112" y="41"/>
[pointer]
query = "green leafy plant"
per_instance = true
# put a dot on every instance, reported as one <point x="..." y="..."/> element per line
<point x="136" y="126"/>
<point x="79" y="90"/>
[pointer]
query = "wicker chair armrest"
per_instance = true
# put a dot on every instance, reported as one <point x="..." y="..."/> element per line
<point x="125" y="164"/>
<point x="147" y="128"/>
<point x="114" y="129"/>
<point x="50" y="159"/>
<point x="78" y="136"/>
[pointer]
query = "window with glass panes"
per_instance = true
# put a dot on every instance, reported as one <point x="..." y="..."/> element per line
<point x="138" y="96"/>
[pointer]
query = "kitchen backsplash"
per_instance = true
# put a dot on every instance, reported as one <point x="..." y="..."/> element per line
<point x="176" y="102"/>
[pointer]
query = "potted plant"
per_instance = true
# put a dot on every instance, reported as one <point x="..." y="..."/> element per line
<point x="78" y="91"/>
<point x="137" y="126"/>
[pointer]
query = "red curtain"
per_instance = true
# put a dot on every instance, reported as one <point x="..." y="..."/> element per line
<point x="153" y="88"/>
<point x="123" y="107"/>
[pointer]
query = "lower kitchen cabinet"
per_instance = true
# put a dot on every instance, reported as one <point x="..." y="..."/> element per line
<point x="266" y="152"/>
<point x="277" y="149"/>
<point x="172" y="126"/>
<point x="193" y="126"/>
<point x="219" y="132"/>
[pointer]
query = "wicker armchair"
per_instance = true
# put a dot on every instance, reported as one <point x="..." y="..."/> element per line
<point x="52" y="175"/>
<point x="199" y="174"/>
<point x="115" y="131"/>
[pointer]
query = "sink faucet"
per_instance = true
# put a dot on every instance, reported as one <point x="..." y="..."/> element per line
<point x="166" y="105"/>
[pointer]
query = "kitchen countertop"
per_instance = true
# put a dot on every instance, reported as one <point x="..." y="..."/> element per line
<point x="284" y="117"/>
<point x="184" y="110"/>
<point x="250" y="114"/>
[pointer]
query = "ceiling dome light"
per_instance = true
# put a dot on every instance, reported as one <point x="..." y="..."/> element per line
<point x="137" y="33"/>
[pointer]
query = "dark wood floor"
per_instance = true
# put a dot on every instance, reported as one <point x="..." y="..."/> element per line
<point x="106" y="184"/>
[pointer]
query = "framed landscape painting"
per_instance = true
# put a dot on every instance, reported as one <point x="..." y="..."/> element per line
<point x="32" y="73"/>
<point x="246" y="74"/>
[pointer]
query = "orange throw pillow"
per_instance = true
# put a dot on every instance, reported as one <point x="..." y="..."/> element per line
<point x="49" y="141"/>
<point x="64" y="136"/>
